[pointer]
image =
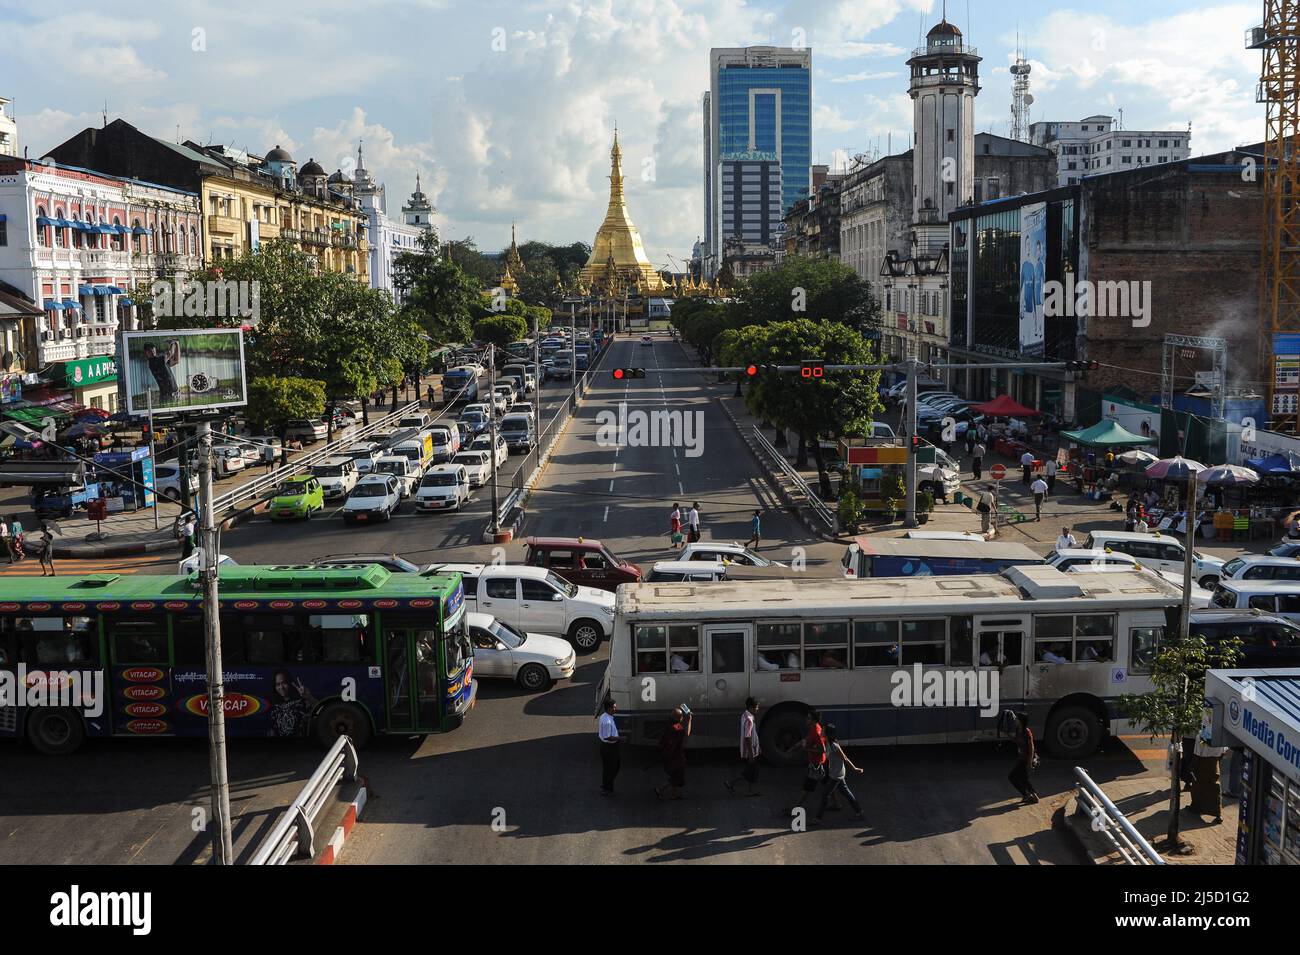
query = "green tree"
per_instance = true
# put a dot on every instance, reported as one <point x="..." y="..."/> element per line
<point x="275" y="401"/>
<point x="501" y="329"/>
<point x="842" y="402"/>
<point x="1173" y="707"/>
<point x="464" y="254"/>
<point x="816" y="289"/>
<point x="437" y="293"/>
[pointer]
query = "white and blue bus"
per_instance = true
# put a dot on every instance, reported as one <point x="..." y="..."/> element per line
<point x="1062" y="647"/>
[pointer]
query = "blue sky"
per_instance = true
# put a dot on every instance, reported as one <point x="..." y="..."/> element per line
<point x="507" y="108"/>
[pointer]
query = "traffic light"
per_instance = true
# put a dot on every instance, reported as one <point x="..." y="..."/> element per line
<point x="1082" y="365"/>
<point x="812" y="369"/>
<point x="753" y="371"/>
<point x="622" y="374"/>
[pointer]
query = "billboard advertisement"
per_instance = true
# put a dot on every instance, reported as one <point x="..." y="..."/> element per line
<point x="184" y="370"/>
<point x="1033" y="269"/>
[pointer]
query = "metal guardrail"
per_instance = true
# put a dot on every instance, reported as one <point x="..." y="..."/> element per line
<point x="1113" y="824"/>
<point x="293" y="835"/>
<point x="271" y="479"/>
<point x="818" y="506"/>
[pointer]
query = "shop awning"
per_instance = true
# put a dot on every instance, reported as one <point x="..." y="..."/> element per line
<point x="44" y="220"/>
<point x="105" y="229"/>
<point x="1004" y="406"/>
<point x="120" y="229"/>
<point x="53" y="305"/>
<point x="3" y="217"/>
<point x="69" y="303"/>
<point x="1106" y="433"/>
<point x="139" y="230"/>
<point x="1273" y="464"/>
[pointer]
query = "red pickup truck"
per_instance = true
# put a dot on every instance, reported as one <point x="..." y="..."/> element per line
<point x="581" y="561"/>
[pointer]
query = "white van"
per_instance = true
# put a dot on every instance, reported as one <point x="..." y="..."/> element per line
<point x="417" y="449"/>
<point x="337" y="476"/>
<point x="416" y="419"/>
<point x="446" y="442"/>
<point x="444" y="487"/>
<point x="363" y="455"/>
<point x="1281" y="597"/>
<point x="1159" y="552"/>
<point x="537" y="600"/>
<point x="402" y="469"/>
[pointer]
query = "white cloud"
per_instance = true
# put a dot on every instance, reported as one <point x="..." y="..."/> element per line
<point x="864" y="77"/>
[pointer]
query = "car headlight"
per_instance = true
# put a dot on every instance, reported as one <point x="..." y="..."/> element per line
<point x="562" y="662"/>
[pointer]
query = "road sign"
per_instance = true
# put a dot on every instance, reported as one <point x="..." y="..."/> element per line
<point x="998" y="472"/>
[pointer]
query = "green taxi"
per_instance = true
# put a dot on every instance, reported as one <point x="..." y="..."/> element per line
<point x="299" y="496"/>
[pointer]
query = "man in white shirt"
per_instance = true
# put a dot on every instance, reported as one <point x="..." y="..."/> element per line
<point x="1039" y="490"/>
<point x="607" y="733"/>
<point x="1051" y="657"/>
<point x="1066" y="540"/>
<point x="749" y="749"/>
<point x="1049" y="472"/>
<point x="1026" y="467"/>
<point x="693" y="523"/>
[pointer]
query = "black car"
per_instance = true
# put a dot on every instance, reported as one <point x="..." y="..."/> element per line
<point x="1267" y="640"/>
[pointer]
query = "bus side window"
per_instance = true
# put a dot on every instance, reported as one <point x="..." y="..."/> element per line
<point x="778" y="646"/>
<point x="56" y="641"/>
<point x="138" y="640"/>
<point x="1094" y="638"/>
<point x="961" y="642"/>
<point x="924" y="642"/>
<point x="875" y="643"/>
<point x="1053" y="638"/>
<point x="826" y="645"/>
<point x="342" y="636"/>
<point x="683" y="649"/>
<point x="1012" y="654"/>
<point x="651" y="648"/>
<point x="1143" y="643"/>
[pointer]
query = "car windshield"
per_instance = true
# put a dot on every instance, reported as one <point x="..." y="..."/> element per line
<point x="439" y="479"/>
<point x="328" y="470"/>
<point x="391" y="467"/>
<point x="291" y="488"/>
<point x="1232" y="566"/>
<point x="370" y="489"/>
<point x="511" y="637"/>
<point x="562" y="585"/>
<point x="358" y="455"/>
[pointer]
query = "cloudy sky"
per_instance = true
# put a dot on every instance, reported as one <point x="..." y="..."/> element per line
<point x="507" y="108"/>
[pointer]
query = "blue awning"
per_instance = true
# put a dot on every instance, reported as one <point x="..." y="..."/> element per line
<point x="112" y="290"/>
<point x="86" y="290"/>
<point x="69" y="303"/>
<point x="121" y="229"/>
<point x="139" y="230"/>
<point x="44" y="220"/>
<point x="53" y="306"/>
<point x="64" y="223"/>
<point x="3" y="217"/>
<point x="104" y="230"/>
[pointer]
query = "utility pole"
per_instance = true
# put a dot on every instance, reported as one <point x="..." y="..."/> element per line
<point x="153" y="460"/>
<point x="222" y="846"/>
<point x="909" y="517"/>
<point x="492" y="430"/>
<point x="573" y="348"/>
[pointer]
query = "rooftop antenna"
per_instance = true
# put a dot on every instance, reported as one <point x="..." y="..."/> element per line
<point x="105" y="112"/>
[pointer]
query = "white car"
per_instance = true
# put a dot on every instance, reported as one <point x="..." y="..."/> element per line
<point x="337" y="476"/>
<point x="533" y="660"/>
<point x="444" y="487"/>
<point x="363" y="455"/>
<point x="1159" y="552"/>
<point x="194" y="562"/>
<point x="307" y="430"/>
<point x="500" y="402"/>
<point x="375" y="498"/>
<point x="725" y="553"/>
<point x="1261" y="567"/>
<point x="481" y="407"/>
<point x="536" y="599"/>
<point x="1070" y="557"/>
<point x="477" y="464"/>
<point x="401" y="469"/>
<point x="484" y="443"/>
<point x="167" y="480"/>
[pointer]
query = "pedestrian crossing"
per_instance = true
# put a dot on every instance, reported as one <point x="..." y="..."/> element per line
<point x="141" y="564"/>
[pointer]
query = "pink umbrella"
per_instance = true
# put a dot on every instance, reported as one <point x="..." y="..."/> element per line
<point x="1174" y="469"/>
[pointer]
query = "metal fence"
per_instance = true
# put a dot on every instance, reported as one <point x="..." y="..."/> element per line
<point x="1106" y="819"/>
<point x="778" y="462"/>
<point x="294" y="834"/>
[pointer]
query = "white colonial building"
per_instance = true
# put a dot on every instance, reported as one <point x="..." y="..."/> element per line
<point x="75" y="242"/>
<point x="388" y="238"/>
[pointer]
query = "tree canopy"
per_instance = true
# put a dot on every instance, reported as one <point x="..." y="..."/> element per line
<point x="501" y="329"/>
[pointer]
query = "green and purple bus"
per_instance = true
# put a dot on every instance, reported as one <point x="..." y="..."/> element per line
<point x="306" y="651"/>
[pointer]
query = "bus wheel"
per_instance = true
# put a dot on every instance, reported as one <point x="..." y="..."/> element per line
<point x="1073" y="732"/>
<point x="534" y="677"/>
<point x="343" y="719"/>
<point x="780" y="736"/>
<point x="56" y="732"/>
<point x="585" y="636"/>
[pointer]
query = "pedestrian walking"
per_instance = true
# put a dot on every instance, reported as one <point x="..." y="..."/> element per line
<point x="16" y="537"/>
<point x="1026" y="467"/>
<point x="675" y="519"/>
<point x="693" y="523"/>
<point x="1026" y="759"/>
<point x="1131" y="511"/>
<point x="8" y="541"/>
<point x="184" y="531"/>
<point x="672" y="748"/>
<point x="755" y="531"/>
<point x="610" y="760"/>
<point x="1049" y="472"/>
<point x="986" y="507"/>
<point x="814" y="745"/>
<point x="837" y="764"/>
<point x="268" y="455"/>
<point x="749" y="750"/>
<point x="970" y="440"/>
<point x="1066" y="540"/>
<point x="1039" y="490"/>
<point x="429" y="394"/>
<point x="47" y="550"/>
<point x="977" y="459"/>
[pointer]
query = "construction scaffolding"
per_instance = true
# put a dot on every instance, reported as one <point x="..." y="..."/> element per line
<point x="1279" y="298"/>
<point x="1169" y="355"/>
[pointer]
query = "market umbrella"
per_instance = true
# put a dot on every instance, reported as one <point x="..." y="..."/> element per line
<point x="1004" y="406"/>
<point x="92" y="414"/>
<point x="1137" y="457"/>
<point x="82" y="431"/>
<point x="1227" y="474"/>
<point x="1176" y="468"/>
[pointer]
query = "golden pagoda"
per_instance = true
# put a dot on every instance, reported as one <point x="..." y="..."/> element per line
<point x="617" y="256"/>
<point x="509" y="284"/>
<point x="513" y="262"/>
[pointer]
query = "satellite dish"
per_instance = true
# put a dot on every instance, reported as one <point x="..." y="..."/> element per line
<point x="1029" y="99"/>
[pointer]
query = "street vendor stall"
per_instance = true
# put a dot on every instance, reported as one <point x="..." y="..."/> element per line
<point x="1092" y="462"/>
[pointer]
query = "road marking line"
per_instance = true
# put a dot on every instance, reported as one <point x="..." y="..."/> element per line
<point x="606" y="517"/>
<point x="677" y="468"/>
<point x="681" y="489"/>
<point x="611" y="486"/>
<point x="615" y="467"/>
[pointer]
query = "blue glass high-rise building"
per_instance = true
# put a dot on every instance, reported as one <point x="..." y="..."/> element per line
<point x="759" y="101"/>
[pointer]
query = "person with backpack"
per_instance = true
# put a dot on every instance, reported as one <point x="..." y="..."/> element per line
<point x="837" y="764"/>
<point x="1026" y="759"/>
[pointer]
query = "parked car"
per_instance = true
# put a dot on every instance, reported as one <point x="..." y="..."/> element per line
<point x="534" y="599"/>
<point x="1267" y="640"/>
<point x="726" y="553"/>
<point x="1261" y="568"/>
<point x="581" y="561"/>
<point x="477" y="464"/>
<point x="400" y="469"/>
<point x="1159" y="552"/>
<point x="484" y="443"/>
<point x="376" y="497"/>
<point x="533" y="660"/>
<point x="337" y="476"/>
<point x="1069" y="557"/>
<point x="306" y="430"/>
<point x="167" y="480"/>
<point x="444" y="487"/>
<point x="297" y="496"/>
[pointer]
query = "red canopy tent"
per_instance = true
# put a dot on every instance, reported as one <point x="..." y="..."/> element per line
<point x="1004" y="406"/>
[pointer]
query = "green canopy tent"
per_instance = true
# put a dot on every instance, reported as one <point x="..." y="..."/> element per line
<point x="1108" y="434"/>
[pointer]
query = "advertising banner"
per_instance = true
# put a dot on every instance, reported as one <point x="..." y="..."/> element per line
<point x="184" y="370"/>
<point x="1033" y="269"/>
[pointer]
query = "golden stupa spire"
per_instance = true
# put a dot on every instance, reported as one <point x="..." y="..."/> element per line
<point x="617" y="250"/>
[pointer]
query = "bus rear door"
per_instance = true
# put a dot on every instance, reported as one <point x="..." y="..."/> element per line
<point x="411" y="680"/>
<point x="727" y="650"/>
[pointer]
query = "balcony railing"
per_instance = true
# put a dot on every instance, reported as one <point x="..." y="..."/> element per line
<point x="223" y="225"/>
<point x="293" y="235"/>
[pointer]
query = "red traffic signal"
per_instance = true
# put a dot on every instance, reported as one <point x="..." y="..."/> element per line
<point x="621" y="374"/>
<point x="812" y="369"/>
<point x="751" y="370"/>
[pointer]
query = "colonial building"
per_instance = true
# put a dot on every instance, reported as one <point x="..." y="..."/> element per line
<point x="618" y="262"/>
<point x="388" y="237"/>
<point x="76" y="242"/>
<point x="419" y="211"/>
<point x="20" y="318"/>
<point x="1094" y="146"/>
